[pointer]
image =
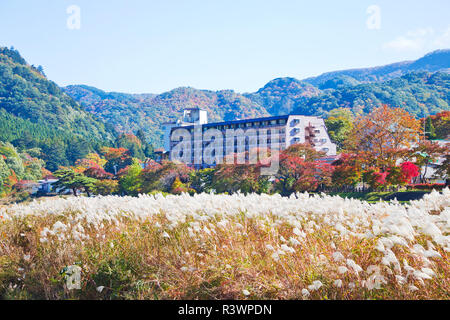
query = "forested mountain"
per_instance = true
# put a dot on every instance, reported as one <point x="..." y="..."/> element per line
<point x="438" y="60"/>
<point x="130" y="112"/>
<point x="280" y="95"/>
<point x="35" y="112"/>
<point x="421" y="93"/>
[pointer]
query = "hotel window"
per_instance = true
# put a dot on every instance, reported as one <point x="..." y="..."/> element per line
<point x="273" y="122"/>
<point x="295" y="122"/>
<point x="283" y="121"/>
<point x="316" y="131"/>
<point x="325" y="149"/>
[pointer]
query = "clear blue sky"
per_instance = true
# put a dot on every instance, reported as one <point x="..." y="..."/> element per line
<point x="153" y="46"/>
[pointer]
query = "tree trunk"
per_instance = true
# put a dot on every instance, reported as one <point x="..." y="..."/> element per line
<point x="424" y="173"/>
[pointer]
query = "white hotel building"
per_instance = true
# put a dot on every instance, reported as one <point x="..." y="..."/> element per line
<point x="277" y="132"/>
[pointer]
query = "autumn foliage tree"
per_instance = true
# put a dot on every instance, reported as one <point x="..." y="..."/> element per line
<point x="426" y="153"/>
<point x="16" y="166"/>
<point x="242" y="172"/>
<point x="162" y="178"/>
<point x="233" y="177"/>
<point x="440" y="123"/>
<point x="392" y="176"/>
<point x="380" y="136"/>
<point x="409" y="171"/>
<point x="97" y="173"/>
<point x="104" y="182"/>
<point x="302" y="170"/>
<point x="90" y="160"/>
<point x="117" y="159"/>
<point x="106" y="187"/>
<point x="347" y="170"/>
<point x="339" y="125"/>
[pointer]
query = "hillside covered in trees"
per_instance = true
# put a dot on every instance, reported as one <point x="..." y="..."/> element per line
<point x="438" y="60"/>
<point x="420" y="93"/>
<point x="35" y="112"/>
<point x="421" y="87"/>
<point x="130" y="112"/>
<point x="42" y="128"/>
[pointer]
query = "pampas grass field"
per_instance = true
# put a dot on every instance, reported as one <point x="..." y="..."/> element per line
<point x="226" y="247"/>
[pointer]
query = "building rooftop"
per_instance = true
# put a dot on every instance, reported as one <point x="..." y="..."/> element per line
<point x="194" y="108"/>
<point x="214" y="124"/>
<point x="47" y="181"/>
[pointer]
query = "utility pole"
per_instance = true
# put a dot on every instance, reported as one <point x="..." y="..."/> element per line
<point x="425" y="129"/>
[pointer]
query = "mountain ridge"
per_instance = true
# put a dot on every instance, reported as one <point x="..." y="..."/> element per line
<point x="359" y="89"/>
<point x="35" y="112"/>
<point x="440" y="59"/>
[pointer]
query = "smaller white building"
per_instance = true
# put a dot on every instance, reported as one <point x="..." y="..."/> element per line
<point x="46" y="185"/>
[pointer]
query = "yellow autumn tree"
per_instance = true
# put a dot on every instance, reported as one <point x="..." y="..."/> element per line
<point x="91" y="160"/>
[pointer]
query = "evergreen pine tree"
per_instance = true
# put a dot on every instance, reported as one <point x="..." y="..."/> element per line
<point x="429" y="129"/>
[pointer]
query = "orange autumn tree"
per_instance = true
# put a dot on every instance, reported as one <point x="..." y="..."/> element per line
<point x="117" y="159"/>
<point x="114" y="153"/>
<point x="382" y="136"/>
<point x="347" y="170"/>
